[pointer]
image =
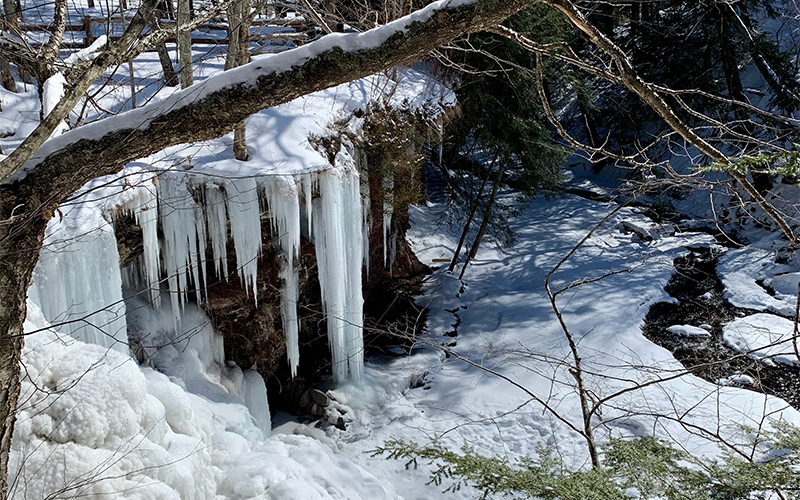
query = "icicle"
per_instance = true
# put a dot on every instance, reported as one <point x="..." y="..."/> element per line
<point x="388" y="211"/>
<point x="244" y="213"/>
<point x="178" y="212"/>
<point x="354" y="305"/>
<point x="200" y="257"/>
<point x="307" y="192"/>
<point x="284" y="203"/>
<point x="330" y="245"/>
<point x="366" y="206"/>
<point x="217" y="218"/>
<point x="146" y="214"/>
<point x="339" y="247"/>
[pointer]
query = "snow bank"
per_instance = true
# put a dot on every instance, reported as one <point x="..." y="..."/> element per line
<point x="762" y="336"/>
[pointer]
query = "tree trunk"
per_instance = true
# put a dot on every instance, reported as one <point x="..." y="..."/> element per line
<point x="184" y="45"/>
<point x="19" y="252"/>
<point x="170" y="76"/>
<point x="238" y="55"/>
<point x="733" y="79"/>
<point x="8" y="78"/>
<point x="473" y="208"/>
<point x="487" y="215"/>
<point x="11" y="10"/>
<point x="786" y="98"/>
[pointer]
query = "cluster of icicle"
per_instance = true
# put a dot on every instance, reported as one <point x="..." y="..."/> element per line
<point x="337" y="231"/>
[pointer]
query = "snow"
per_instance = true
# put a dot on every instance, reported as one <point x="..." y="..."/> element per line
<point x="762" y="336"/>
<point x="505" y="324"/>
<point x="187" y="424"/>
<point x="740" y="269"/>
<point x="92" y="423"/>
<point x="688" y="331"/>
<point x="52" y="92"/>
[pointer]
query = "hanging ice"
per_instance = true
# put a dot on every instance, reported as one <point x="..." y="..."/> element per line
<point x="366" y="204"/>
<point x="144" y="209"/>
<point x="217" y="218"/>
<point x="388" y="211"/>
<point x="179" y="221"/>
<point x="244" y="212"/>
<point x="354" y="303"/>
<point x="307" y="190"/>
<point x="284" y="207"/>
<point x="339" y="246"/>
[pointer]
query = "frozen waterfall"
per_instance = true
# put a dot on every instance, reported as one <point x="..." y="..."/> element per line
<point x="78" y="281"/>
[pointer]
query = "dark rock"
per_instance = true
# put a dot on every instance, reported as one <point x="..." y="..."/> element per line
<point x="320" y="398"/>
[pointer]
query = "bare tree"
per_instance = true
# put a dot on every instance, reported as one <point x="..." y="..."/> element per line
<point x="185" y="45"/>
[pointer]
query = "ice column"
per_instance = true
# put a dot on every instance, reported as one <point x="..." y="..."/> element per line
<point x="354" y="301"/>
<point x="245" y="215"/>
<point x="284" y="206"/>
<point x="338" y="236"/>
<point x="255" y="398"/>
<point x="78" y="283"/>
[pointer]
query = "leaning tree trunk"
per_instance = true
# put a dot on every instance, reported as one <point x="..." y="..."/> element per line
<point x="472" y="209"/>
<point x="170" y="76"/>
<point x="184" y="45"/>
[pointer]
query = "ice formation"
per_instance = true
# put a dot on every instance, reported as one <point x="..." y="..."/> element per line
<point x="78" y="280"/>
<point x="78" y="285"/>
<point x="245" y="217"/>
<point x="388" y="211"/>
<point x="145" y="211"/>
<point x="284" y="209"/>
<point x="337" y="239"/>
<point x="184" y="238"/>
<point x="217" y="217"/>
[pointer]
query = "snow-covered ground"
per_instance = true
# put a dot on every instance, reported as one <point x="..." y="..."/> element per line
<point x="505" y="324"/>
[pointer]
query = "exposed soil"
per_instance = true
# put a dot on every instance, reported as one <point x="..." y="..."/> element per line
<point x="699" y="292"/>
